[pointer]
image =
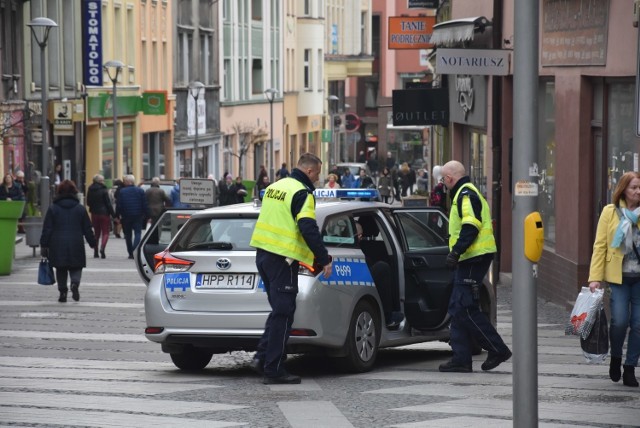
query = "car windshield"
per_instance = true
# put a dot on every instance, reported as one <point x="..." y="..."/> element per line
<point x="202" y="234"/>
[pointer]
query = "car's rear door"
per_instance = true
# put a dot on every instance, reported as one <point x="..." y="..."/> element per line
<point x="157" y="238"/>
<point x="428" y="282"/>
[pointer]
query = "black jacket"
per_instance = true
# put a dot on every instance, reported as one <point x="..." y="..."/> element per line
<point x="98" y="200"/>
<point x="65" y="224"/>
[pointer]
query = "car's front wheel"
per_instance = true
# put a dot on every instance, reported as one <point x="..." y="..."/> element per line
<point x="191" y="358"/>
<point x="363" y="338"/>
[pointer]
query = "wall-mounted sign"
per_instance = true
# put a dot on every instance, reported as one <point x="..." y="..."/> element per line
<point x="62" y="117"/>
<point x="196" y="191"/>
<point x="574" y="33"/>
<point x="151" y="102"/>
<point x="479" y="62"/>
<point x="420" y="107"/>
<point x="92" y="42"/>
<point x="411" y="32"/>
<point x="422" y="4"/>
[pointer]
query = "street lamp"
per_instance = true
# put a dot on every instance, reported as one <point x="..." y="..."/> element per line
<point x="194" y="91"/>
<point x="344" y="148"/>
<point x="271" y="94"/>
<point x="115" y="67"/>
<point x="334" y="143"/>
<point x="40" y="28"/>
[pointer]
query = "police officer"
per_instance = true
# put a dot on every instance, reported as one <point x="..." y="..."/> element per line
<point x="286" y="233"/>
<point x="472" y="246"/>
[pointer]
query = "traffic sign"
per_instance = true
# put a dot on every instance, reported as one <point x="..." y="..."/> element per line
<point x="352" y="122"/>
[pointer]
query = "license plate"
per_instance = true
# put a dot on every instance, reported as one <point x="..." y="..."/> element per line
<point x="226" y="280"/>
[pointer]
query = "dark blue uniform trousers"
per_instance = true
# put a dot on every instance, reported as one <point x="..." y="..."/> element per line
<point x="281" y="283"/>
<point x="467" y="321"/>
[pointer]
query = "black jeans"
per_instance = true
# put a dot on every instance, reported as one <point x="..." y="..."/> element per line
<point x="61" y="277"/>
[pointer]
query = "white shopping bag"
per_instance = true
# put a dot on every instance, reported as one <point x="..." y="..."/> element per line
<point x="584" y="312"/>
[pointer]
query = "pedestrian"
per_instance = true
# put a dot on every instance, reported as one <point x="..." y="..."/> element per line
<point x="157" y="200"/>
<point x="390" y="161"/>
<point x="20" y="182"/>
<point x="404" y="177"/>
<point x="336" y="171"/>
<point x="422" y="182"/>
<point x="372" y="162"/>
<point x="286" y="234"/>
<point x="364" y="181"/>
<point x="616" y="261"/>
<point x="438" y="196"/>
<point x="10" y="190"/>
<point x="261" y="185"/>
<point x="65" y="224"/>
<point x="385" y="186"/>
<point x="471" y="250"/>
<point x="175" y="197"/>
<point x="240" y="190"/>
<point x="228" y="194"/>
<point x="332" y="183"/>
<point x="132" y="211"/>
<point x="58" y="175"/>
<point x="283" y="172"/>
<point x="113" y="195"/>
<point x="348" y="179"/>
<point x="261" y="174"/>
<point x="362" y="158"/>
<point x="101" y="213"/>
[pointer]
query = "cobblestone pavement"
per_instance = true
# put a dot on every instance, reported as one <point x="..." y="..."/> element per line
<point x="87" y="364"/>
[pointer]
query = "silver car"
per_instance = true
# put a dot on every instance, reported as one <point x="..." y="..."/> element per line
<point x="205" y="296"/>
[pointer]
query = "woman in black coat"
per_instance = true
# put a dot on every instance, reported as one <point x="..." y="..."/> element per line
<point x="65" y="224"/>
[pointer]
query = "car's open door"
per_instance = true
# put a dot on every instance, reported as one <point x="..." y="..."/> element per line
<point x="428" y="282"/>
<point x="157" y="238"/>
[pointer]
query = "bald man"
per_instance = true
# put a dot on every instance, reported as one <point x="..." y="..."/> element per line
<point x="471" y="250"/>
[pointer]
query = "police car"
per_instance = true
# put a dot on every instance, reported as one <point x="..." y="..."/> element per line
<point x="205" y="296"/>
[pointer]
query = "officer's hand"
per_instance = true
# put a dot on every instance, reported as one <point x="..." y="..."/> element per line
<point x="44" y="252"/>
<point x="327" y="269"/>
<point x="452" y="260"/>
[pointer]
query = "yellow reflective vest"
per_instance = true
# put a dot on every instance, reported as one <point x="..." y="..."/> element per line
<point x="276" y="230"/>
<point x="485" y="242"/>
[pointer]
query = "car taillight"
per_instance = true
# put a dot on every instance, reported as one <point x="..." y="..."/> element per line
<point x="166" y="263"/>
<point x="314" y="270"/>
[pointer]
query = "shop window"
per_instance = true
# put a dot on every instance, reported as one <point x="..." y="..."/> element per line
<point x="623" y="144"/>
<point x="477" y="164"/>
<point x="547" y="160"/>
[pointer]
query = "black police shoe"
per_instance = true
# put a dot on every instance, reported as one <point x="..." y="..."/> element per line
<point x="283" y="379"/>
<point x="257" y="365"/>
<point x="394" y="320"/>
<point x="495" y="360"/>
<point x="450" y="366"/>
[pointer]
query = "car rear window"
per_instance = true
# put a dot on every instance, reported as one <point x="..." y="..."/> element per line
<point x="210" y="234"/>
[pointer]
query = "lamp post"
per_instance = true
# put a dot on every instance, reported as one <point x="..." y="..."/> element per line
<point x="194" y="91"/>
<point x="271" y="94"/>
<point x="334" y="142"/>
<point x="115" y="67"/>
<point x="40" y="28"/>
<point x="344" y="148"/>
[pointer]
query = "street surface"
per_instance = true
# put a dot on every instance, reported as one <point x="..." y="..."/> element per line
<point x="88" y="363"/>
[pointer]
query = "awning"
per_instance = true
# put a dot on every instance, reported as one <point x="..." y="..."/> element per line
<point x="456" y="31"/>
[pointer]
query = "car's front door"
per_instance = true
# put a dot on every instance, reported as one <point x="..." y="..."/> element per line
<point x="428" y="282"/>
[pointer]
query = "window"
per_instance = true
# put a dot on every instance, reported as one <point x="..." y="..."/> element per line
<point x="205" y="15"/>
<point x="307" y="8"/>
<point x="320" y="65"/>
<point x="256" y="77"/>
<point x="206" y="56"/>
<point x="307" y="69"/>
<point x="184" y="12"/>
<point x="477" y="168"/>
<point x="424" y="229"/>
<point x="256" y="10"/>
<point x="339" y="231"/>
<point x="547" y="160"/>
<point x="183" y="48"/>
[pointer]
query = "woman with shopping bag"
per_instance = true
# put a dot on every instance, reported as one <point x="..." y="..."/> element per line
<point x="616" y="260"/>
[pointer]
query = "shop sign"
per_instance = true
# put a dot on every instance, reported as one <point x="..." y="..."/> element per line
<point x="151" y="102"/>
<point x="420" y="107"/>
<point x="410" y="32"/>
<point x="479" y="62"/>
<point x="62" y="117"/>
<point x="92" y="42"/>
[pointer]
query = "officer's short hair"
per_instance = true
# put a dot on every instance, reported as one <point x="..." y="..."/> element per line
<point x="308" y="160"/>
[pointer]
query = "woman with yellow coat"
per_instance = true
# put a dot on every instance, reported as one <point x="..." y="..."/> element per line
<point x="616" y="260"/>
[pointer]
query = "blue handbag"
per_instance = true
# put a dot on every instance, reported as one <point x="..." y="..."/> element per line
<point x="45" y="273"/>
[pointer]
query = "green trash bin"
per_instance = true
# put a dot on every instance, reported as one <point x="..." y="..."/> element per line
<point x="10" y="213"/>
<point x="249" y="185"/>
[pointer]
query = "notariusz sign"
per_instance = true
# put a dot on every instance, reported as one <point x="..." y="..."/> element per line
<point x="477" y="62"/>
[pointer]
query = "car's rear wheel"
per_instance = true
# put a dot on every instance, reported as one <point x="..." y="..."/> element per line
<point x="363" y="338"/>
<point x="191" y="358"/>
